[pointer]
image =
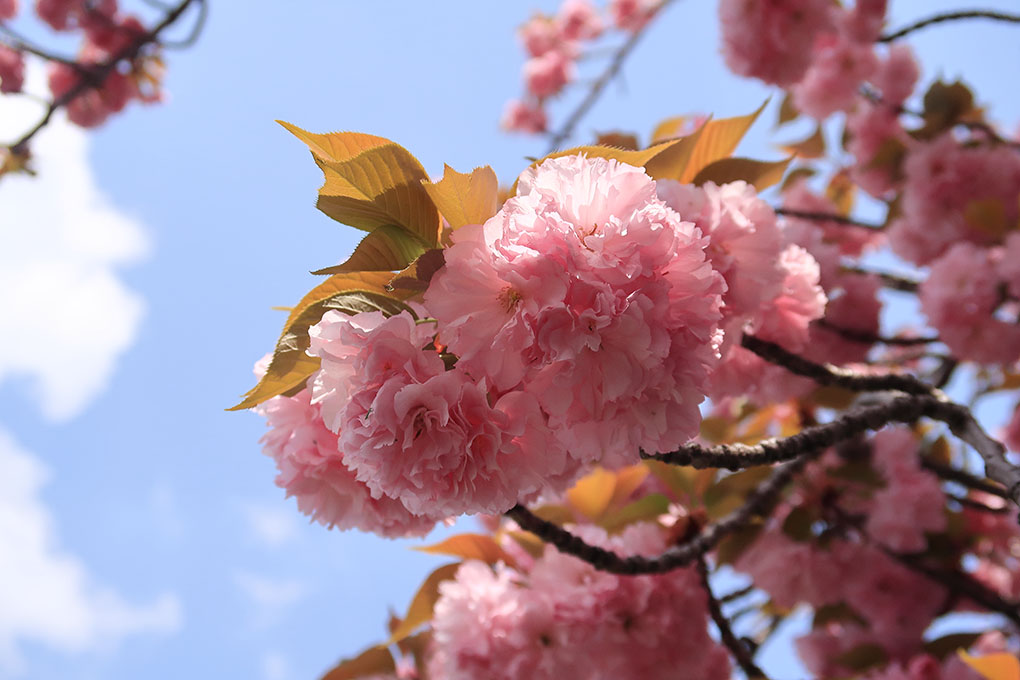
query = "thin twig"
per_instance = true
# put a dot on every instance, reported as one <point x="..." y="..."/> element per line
<point x="16" y="41"/>
<point x="950" y="16"/>
<point x="962" y="477"/>
<point x="741" y="654"/>
<point x="826" y="217"/>
<point x="893" y="281"/>
<point x="101" y="71"/>
<point x="867" y="338"/>
<point x="760" y="503"/>
<point x="737" y="594"/>
<point x="567" y="129"/>
<point x="196" y="29"/>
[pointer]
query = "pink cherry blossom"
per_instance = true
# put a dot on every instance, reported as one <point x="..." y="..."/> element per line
<point x="959" y="298"/>
<point x="548" y="73"/>
<point x="1011" y="435"/>
<point x="632" y="15"/>
<point x="1009" y="264"/>
<point x="850" y="239"/>
<point x="12" y="70"/>
<point x="8" y="8"/>
<point x="524" y="116"/>
<point x="589" y="292"/>
<point x="863" y="23"/>
<point x="579" y="20"/>
<point x="897" y="75"/>
<point x="772" y="40"/>
<point x="832" y="81"/>
<point x="801" y="300"/>
<point x="854" y="307"/>
<point x="540" y="34"/>
<point x="312" y="470"/>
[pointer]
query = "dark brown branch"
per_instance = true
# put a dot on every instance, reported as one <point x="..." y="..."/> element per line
<point x="959" y="419"/>
<point x="892" y="281"/>
<point x="826" y="217"/>
<point x="950" y="16"/>
<point x="16" y="41"/>
<point x="964" y="478"/>
<point x="906" y="409"/>
<point x="760" y="503"/>
<point x="102" y="70"/>
<point x="826" y="374"/>
<point x="737" y="594"/>
<point x="567" y="129"/>
<point x="741" y="654"/>
<point x="866" y="338"/>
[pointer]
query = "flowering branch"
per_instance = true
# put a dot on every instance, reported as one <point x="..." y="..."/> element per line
<point x="950" y="16"/>
<point x="99" y="73"/>
<point x="760" y="503"/>
<point x="737" y="647"/>
<point x="826" y="217"/>
<point x="600" y="83"/>
<point x="855" y="335"/>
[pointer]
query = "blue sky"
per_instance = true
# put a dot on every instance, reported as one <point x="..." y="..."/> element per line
<point x="139" y="271"/>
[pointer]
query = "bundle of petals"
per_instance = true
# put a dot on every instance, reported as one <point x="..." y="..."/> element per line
<point x="555" y="616"/>
<point x="554" y="43"/>
<point x="582" y="323"/>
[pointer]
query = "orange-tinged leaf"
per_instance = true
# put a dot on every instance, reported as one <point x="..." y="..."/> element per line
<point x="761" y="174"/>
<point x="669" y="128"/>
<point x="373" y="661"/>
<point x="628" y="479"/>
<point x="592" y="493"/>
<point x="842" y="191"/>
<point x="787" y="111"/>
<point x="621" y="140"/>
<point x="802" y="172"/>
<point x="388" y="248"/>
<point x="716" y="429"/>
<point x="380" y="186"/>
<point x="718" y="139"/>
<point x="423" y="602"/>
<point x="672" y="161"/>
<point x="290" y="366"/>
<point x="987" y="215"/>
<point x="1002" y="666"/>
<point x="465" y="199"/>
<point x="471" y="547"/>
<point x="531" y="543"/>
<point x="335" y="146"/>
<point x="642" y="510"/>
<point x="812" y="146"/>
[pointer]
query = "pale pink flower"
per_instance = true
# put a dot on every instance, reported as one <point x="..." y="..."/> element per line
<point x="959" y="298"/>
<point x="589" y="292"/>
<point x="632" y="15"/>
<point x="770" y="39"/>
<point x="8" y="8"/>
<point x="548" y="73"/>
<point x="945" y="181"/>
<point x="831" y="83"/>
<point x="524" y="116"/>
<point x="312" y="470"/>
<point x="853" y="306"/>
<point x="1009" y="264"/>
<point x="851" y="240"/>
<point x="12" y="70"/>
<point x="897" y="75"/>
<point x="540" y="34"/>
<point x="863" y="23"/>
<point x="579" y="20"/>
<point x="785" y="319"/>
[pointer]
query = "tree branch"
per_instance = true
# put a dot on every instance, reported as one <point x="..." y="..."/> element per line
<point x="893" y="281"/>
<point x="738" y="649"/>
<point x="950" y="16"/>
<point x="864" y="337"/>
<point x="761" y="502"/>
<point x="567" y="129"/>
<point x="826" y="217"/>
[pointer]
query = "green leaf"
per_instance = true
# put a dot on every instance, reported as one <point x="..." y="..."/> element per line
<point x="291" y="366"/>
<point x="761" y="174"/>
<point x="465" y="199"/>
<point x="378" y="187"/>
<point x="813" y="146"/>
<point x="718" y="139"/>
<point x="373" y="661"/>
<point x="388" y="248"/>
<point x="335" y="146"/>
<point x="424" y="601"/>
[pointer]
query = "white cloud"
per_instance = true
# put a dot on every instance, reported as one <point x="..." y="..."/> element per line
<point x="65" y="316"/>
<point x="270" y="597"/>
<point x="47" y="596"/>
<point x="272" y="526"/>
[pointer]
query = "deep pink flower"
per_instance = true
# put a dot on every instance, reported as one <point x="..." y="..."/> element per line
<point x="831" y="83"/>
<point x="12" y="70"/>
<point x="579" y="20"/>
<point x="522" y="116"/>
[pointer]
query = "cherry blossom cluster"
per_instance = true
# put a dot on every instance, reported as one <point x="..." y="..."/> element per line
<point x="585" y="321"/>
<point x="554" y="44"/>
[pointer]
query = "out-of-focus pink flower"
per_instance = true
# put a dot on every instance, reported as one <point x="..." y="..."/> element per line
<point x="897" y="75"/>
<point x="588" y="291"/>
<point x="832" y="81"/>
<point x="772" y="40"/>
<point x="522" y="116"/>
<point x="801" y="300"/>
<point x="8" y="8"/>
<point x="850" y="239"/>
<point x="863" y="23"/>
<point x="1009" y="264"/>
<point x="540" y="34"/>
<point x="579" y="20"/>
<point x="853" y="306"/>
<point x="62" y="15"/>
<point x="12" y="70"/>
<point x="115" y="35"/>
<point x="547" y="74"/>
<point x="1011" y="434"/>
<point x="632" y="15"/>
<point x="959" y="298"/>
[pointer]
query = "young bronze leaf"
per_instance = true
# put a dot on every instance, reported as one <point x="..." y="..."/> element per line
<point x="669" y="128"/>
<point x="673" y="157"/>
<point x="470" y="547"/>
<point x="717" y="140"/>
<point x="388" y="248"/>
<point x="290" y="366"/>
<point x="842" y="191"/>
<point x="380" y="186"/>
<point x="762" y="174"/>
<point x="465" y="199"/>
<point x="592" y="493"/>
<point x="812" y="146"/>
<point x="335" y="146"/>
<point x="787" y="111"/>
<point x="371" y="662"/>
<point x="420" y="610"/>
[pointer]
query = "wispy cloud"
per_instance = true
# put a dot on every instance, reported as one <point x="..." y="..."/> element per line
<point x="270" y="597"/>
<point x="47" y="595"/>
<point x="65" y="315"/>
<point x="272" y="526"/>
